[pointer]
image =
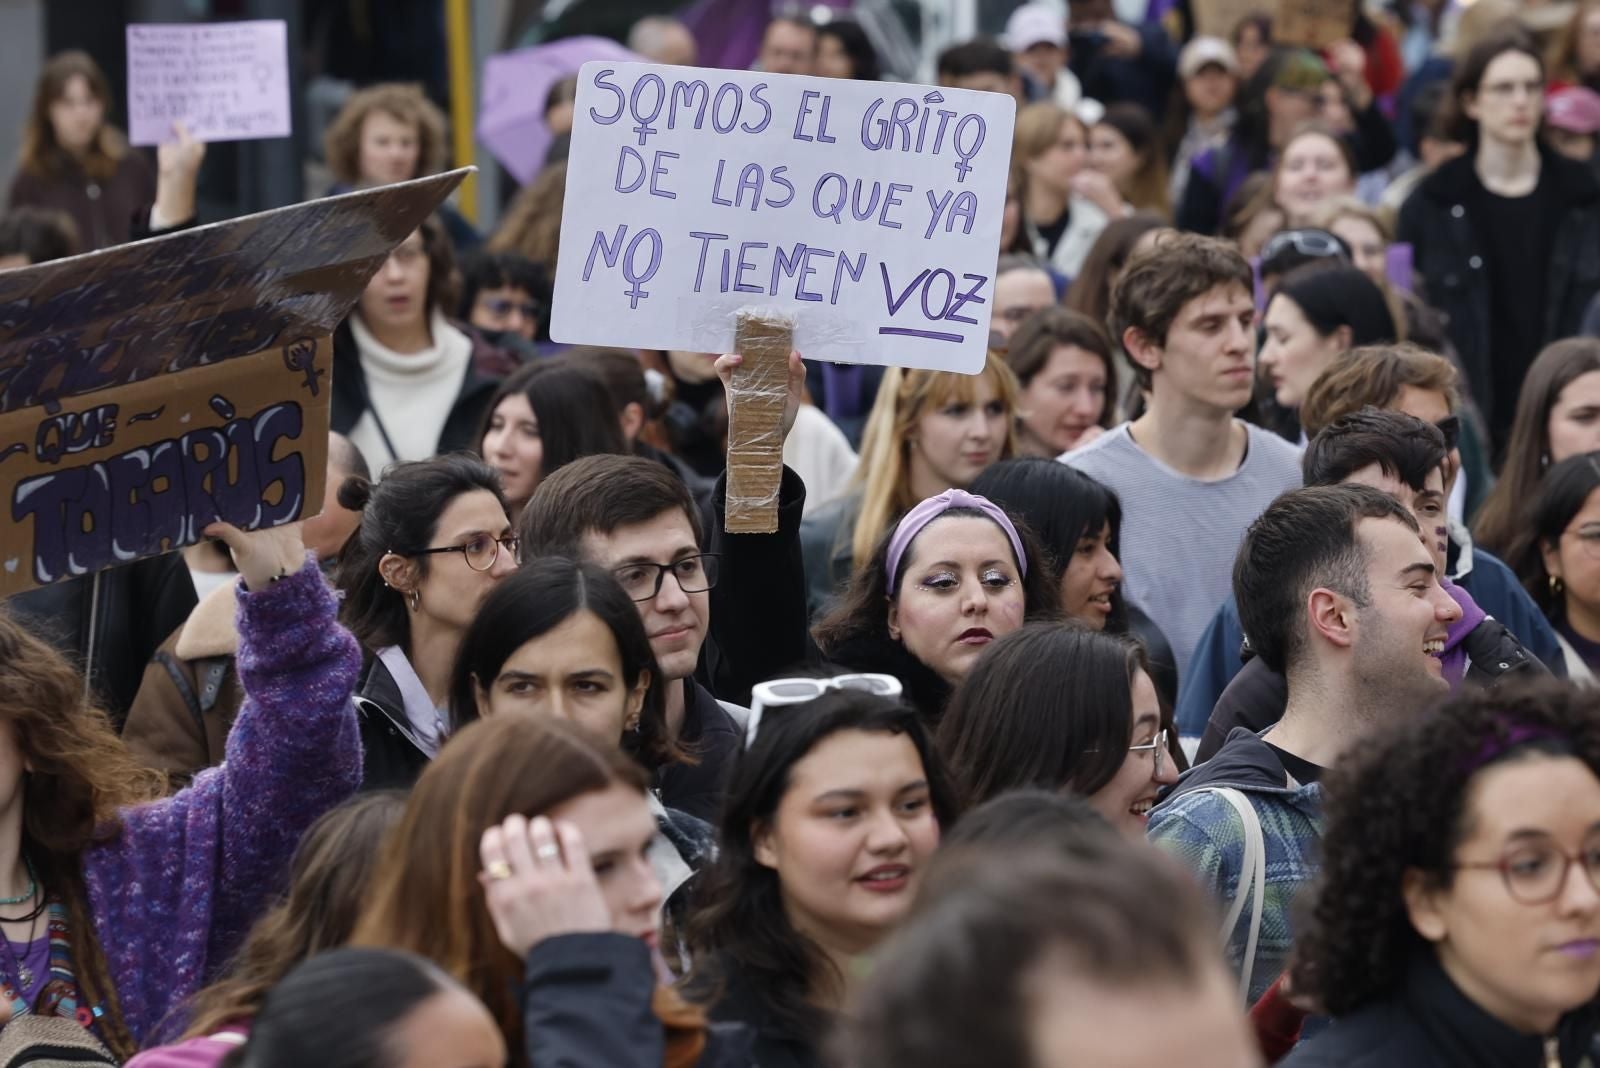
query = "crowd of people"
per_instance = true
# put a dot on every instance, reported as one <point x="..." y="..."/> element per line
<point x="1208" y="680"/>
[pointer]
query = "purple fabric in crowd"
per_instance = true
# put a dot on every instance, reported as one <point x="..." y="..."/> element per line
<point x="174" y="893"/>
<point x="727" y="33"/>
<point x="1454" y="655"/>
<point x="35" y="956"/>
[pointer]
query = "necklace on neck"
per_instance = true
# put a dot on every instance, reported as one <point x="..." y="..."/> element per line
<point x="19" y="965"/>
<point x="33" y="887"/>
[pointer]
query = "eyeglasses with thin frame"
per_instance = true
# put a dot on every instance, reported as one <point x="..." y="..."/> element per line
<point x="1588" y="538"/>
<point x="480" y="551"/>
<point x="1158" y="746"/>
<point x="1536" y="873"/>
<point x="642" y="580"/>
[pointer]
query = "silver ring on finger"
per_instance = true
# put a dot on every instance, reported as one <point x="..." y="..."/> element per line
<point x="549" y="851"/>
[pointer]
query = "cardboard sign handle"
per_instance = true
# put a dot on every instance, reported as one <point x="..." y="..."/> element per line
<point x="756" y="398"/>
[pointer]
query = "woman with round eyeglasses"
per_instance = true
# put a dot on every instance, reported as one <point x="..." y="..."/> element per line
<point x="1557" y="557"/>
<point x="1458" y="917"/>
<point x="1056" y="706"/>
<point x="434" y="539"/>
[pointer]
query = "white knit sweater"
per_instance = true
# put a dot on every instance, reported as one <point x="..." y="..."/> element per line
<point x="411" y="394"/>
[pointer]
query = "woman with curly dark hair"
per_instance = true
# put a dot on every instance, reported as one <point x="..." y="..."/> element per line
<point x="1458" y="917"/>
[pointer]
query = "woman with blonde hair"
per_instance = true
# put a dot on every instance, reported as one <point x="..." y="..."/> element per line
<point x="1065" y="205"/>
<point x="73" y="161"/>
<point x="928" y="431"/>
<point x="532" y="225"/>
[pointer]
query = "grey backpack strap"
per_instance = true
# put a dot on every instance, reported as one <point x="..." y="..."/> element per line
<point x="1252" y="881"/>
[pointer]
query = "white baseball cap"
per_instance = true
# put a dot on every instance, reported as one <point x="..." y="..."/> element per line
<point x="1204" y="51"/>
<point x="1033" y="24"/>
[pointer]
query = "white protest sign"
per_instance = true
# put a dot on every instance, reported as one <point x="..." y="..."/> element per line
<point x="226" y="81"/>
<point x="869" y="211"/>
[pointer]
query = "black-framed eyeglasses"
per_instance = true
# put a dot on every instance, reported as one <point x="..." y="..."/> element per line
<point x="642" y="580"/>
<point x="480" y="552"/>
<point x="1535" y="874"/>
<point x="1450" y="427"/>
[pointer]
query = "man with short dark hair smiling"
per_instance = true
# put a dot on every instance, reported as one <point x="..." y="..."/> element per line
<point x="1340" y="594"/>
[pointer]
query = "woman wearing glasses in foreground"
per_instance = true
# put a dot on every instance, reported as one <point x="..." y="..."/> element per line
<point x="1059" y="707"/>
<point x="434" y="540"/>
<point x="1458" y="918"/>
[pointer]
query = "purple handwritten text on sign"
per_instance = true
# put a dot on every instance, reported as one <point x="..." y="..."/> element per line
<point x="869" y="212"/>
<point x="226" y="81"/>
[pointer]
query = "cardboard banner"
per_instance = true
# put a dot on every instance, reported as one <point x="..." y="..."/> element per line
<point x="226" y="81"/>
<point x="150" y="389"/>
<point x="1313" y="23"/>
<point x="869" y="212"/>
<point x="1219" y="18"/>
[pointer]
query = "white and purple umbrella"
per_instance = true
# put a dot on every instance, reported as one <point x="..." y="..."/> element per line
<point x="515" y="85"/>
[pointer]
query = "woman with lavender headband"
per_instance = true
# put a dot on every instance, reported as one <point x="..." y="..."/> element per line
<point x="950" y="577"/>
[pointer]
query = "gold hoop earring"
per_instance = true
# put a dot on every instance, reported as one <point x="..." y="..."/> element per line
<point x="416" y="600"/>
<point x="1555" y="585"/>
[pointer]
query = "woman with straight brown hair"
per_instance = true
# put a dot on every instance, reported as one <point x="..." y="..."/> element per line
<point x="553" y="790"/>
<point x="73" y="161"/>
<point x="1064" y="364"/>
<point x="1558" y="415"/>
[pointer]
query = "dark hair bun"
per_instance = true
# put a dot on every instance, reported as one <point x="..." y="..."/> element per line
<point x="354" y="493"/>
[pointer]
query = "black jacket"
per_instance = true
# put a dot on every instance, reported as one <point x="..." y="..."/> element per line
<point x="1429" y="1023"/>
<point x="712" y="738"/>
<point x="112" y="622"/>
<point x="924" y="689"/>
<point x="350" y="399"/>
<point x="392" y="758"/>
<point x="1158" y="651"/>
<point x="758" y="606"/>
<point x="776" y="1043"/>
<point x="1436" y="221"/>
<point x="586" y="1000"/>
<point x="1256" y="697"/>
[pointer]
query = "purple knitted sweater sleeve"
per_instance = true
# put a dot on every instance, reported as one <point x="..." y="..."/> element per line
<point x="174" y="893"/>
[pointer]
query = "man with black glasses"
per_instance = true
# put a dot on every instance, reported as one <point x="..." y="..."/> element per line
<point x="690" y="580"/>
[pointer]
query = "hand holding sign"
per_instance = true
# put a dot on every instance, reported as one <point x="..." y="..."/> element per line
<point x="263" y="556"/>
<point x="869" y="213"/>
<point x="228" y="81"/>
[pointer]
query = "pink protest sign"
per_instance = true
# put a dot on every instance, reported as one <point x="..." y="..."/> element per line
<point x="227" y="81"/>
